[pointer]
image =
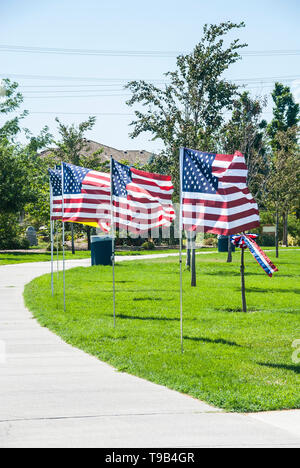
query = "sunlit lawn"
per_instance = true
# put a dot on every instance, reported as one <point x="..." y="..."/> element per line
<point x="236" y="361"/>
<point x="31" y="257"/>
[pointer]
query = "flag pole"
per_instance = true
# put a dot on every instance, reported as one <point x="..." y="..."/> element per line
<point x="180" y="248"/>
<point x="52" y="239"/>
<point x="63" y="232"/>
<point x="57" y="239"/>
<point x="243" y="279"/>
<point x="113" y="238"/>
<point x="57" y="250"/>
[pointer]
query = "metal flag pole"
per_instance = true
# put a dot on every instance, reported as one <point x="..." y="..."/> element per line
<point x="52" y="239"/>
<point x="181" y="154"/>
<point x="63" y="231"/>
<point x="57" y="250"/>
<point x="113" y="237"/>
<point x="57" y="242"/>
<point x="243" y="285"/>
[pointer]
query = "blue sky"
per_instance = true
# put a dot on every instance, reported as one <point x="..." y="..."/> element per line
<point x="132" y="25"/>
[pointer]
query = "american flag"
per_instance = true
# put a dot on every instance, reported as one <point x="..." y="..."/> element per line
<point x="55" y="182"/>
<point x="215" y="196"/>
<point x="86" y="197"/>
<point x="247" y="241"/>
<point x="141" y="200"/>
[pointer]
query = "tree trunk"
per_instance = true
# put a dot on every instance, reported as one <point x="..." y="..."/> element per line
<point x="277" y="234"/>
<point x="88" y="230"/>
<point x="229" y="258"/>
<point x="73" y="243"/>
<point x="194" y="276"/>
<point x="285" y="230"/>
<point x="188" y="251"/>
<point x="243" y="280"/>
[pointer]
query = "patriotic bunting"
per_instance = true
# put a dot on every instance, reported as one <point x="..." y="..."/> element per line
<point x="247" y="241"/>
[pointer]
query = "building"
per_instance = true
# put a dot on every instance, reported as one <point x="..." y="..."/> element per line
<point x="132" y="156"/>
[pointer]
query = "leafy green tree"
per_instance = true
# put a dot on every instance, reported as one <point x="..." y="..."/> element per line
<point x="20" y="166"/>
<point x="9" y="131"/>
<point x="286" y="116"/>
<point x="11" y="102"/>
<point x="189" y="110"/>
<point x="73" y="146"/>
<point x="15" y="190"/>
<point x="283" y="182"/>
<point x="286" y="113"/>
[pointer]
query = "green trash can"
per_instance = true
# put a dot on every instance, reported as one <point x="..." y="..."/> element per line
<point x="223" y="244"/>
<point x="101" y="250"/>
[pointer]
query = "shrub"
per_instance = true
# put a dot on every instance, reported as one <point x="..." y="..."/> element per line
<point x="55" y="247"/>
<point x="266" y="240"/>
<point x="293" y="241"/>
<point x="149" y="245"/>
<point x="210" y="241"/>
<point x="11" y="237"/>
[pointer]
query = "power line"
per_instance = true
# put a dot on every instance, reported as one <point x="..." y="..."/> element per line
<point x="76" y="96"/>
<point x="75" y="91"/>
<point x="68" y="86"/>
<point x="151" y="80"/>
<point x="132" y="53"/>
<point x="86" y="113"/>
<point x="78" y="78"/>
<point x="102" y="113"/>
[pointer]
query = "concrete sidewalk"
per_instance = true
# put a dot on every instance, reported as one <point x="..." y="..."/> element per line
<point x="52" y="395"/>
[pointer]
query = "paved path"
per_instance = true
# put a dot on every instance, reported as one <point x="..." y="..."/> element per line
<point x="52" y="395"/>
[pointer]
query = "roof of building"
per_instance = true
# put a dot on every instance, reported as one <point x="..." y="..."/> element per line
<point x="132" y="156"/>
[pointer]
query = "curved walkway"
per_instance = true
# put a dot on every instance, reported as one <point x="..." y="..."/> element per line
<point x="53" y="395"/>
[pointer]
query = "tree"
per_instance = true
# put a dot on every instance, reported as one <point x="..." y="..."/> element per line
<point x="11" y="102"/>
<point x="189" y="110"/>
<point x="286" y="116"/>
<point x="73" y="146"/>
<point x="283" y="182"/>
<point x="285" y="112"/>
<point x="15" y="189"/>
<point x="20" y="166"/>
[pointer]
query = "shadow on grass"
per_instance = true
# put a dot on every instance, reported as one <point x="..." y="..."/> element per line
<point x="292" y="368"/>
<point x="147" y="299"/>
<point x="230" y="273"/>
<point x="279" y="290"/>
<point x="145" y="318"/>
<point x="209" y="340"/>
<point x="232" y="309"/>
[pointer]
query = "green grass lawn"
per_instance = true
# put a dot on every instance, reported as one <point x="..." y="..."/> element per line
<point x="236" y="361"/>
<point x="30" y="257"/>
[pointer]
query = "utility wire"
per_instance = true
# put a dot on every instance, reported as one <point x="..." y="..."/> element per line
<point x="102" y="113"/>
<point x="151" y="80"/>
<point x="76" y="96"/>
<point x="131" y="53"/>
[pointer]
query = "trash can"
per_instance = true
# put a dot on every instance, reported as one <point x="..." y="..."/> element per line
<point x="101" y="250"/>
<point x="223" y="244"/>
